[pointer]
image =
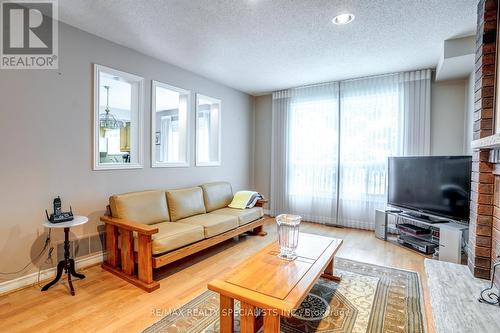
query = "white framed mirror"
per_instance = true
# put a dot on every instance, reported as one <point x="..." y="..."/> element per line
<point x="118" y="119"/>
<point x="208" y="131"/>
<point x="169" y="125"/>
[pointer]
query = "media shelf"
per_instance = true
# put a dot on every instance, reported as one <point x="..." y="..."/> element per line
<point x="393" y="238"/>
<point x="445" y="239"/>
<point x="425" y="238"/>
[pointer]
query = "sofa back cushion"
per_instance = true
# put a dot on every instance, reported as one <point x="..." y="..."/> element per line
<point x="185" y="202"/>
<point x="146" y="207"/>
<point x="217" y="195"/>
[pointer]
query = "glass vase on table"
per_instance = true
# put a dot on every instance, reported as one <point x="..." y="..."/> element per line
<point x="288" y="235"/>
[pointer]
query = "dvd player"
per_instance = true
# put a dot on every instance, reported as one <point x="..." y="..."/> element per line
<point x="417" y="244"/>
<point x="412" y="229"/>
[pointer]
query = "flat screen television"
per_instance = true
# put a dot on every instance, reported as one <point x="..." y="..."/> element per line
<point x="436" y="185"/>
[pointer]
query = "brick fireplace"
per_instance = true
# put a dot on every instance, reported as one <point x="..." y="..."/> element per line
<point x="484" y="233"/>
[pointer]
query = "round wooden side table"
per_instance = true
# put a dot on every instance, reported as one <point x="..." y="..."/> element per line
<point x="68" y="264"/>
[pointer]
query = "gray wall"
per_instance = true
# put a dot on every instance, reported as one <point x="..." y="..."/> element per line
<point x="46" y="141"/>
<point x="448" y="127"/>
<point x="448" y="117"/>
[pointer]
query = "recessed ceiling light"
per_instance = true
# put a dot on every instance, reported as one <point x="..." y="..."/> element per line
<point x="343" y="19"/>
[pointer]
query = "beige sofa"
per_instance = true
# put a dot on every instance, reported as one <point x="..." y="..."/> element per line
<point x="151" y="229"/>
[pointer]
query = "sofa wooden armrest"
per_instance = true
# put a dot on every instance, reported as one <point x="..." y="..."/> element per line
<point x="121" y="261"/>
<point x="261" y="202"/>
<point x="130" y="225"/>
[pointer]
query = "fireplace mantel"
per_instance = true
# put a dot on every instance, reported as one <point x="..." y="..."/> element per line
<point x="489" y="142"/>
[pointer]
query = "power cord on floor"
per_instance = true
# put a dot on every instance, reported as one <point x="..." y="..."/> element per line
<point x="45" y="246"/>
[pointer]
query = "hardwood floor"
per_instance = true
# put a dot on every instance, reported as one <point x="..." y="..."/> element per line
<point x="105" y="303"/>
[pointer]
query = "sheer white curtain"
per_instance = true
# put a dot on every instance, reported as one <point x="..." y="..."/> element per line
<point x="331" y="142"/>
<point x="415" y="110"/>
<point x="305" y="147"/>
<point x="370" y="133"/>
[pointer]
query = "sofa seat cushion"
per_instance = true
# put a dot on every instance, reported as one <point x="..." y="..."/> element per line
<point x="213" y="224"/>
<point x="172" y="235"/>
<point x="185" y="202"/>
<point x="244" y="215"/>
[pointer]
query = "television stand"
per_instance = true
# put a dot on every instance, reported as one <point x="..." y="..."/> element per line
<point x="447" y="236"/>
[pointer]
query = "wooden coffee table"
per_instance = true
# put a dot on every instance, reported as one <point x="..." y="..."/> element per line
<point x="274" y="285"/>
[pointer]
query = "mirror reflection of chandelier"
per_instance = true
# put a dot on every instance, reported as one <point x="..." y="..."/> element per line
<point x="108" y="120"/>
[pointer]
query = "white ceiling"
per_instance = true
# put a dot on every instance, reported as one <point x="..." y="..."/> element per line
<point x="259" y="46"/>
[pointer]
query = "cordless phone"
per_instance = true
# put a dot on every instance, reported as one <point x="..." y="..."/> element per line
<point x="59" y="216"/>
<point x="57" y="206"/>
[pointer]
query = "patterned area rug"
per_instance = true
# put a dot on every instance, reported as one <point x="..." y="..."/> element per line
<point x="368" y="299"/>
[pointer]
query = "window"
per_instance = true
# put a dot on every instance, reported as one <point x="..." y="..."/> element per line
<point x="370" y="132"/>
<point x="338" y="139"/>
<point x="118" y="105"/>
<point x="331" y="142"/>
<point x="208" y="131"/>
<point x="369" y="126"/>
<point x="313" y="148"/>
<point x="170" y="124"/>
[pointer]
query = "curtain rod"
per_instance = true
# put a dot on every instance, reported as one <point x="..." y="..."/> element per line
<point x="433" y="70"/>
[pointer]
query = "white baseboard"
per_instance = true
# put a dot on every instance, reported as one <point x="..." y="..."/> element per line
<point x="30" y="279"/>
<point x="266" y="211"/>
